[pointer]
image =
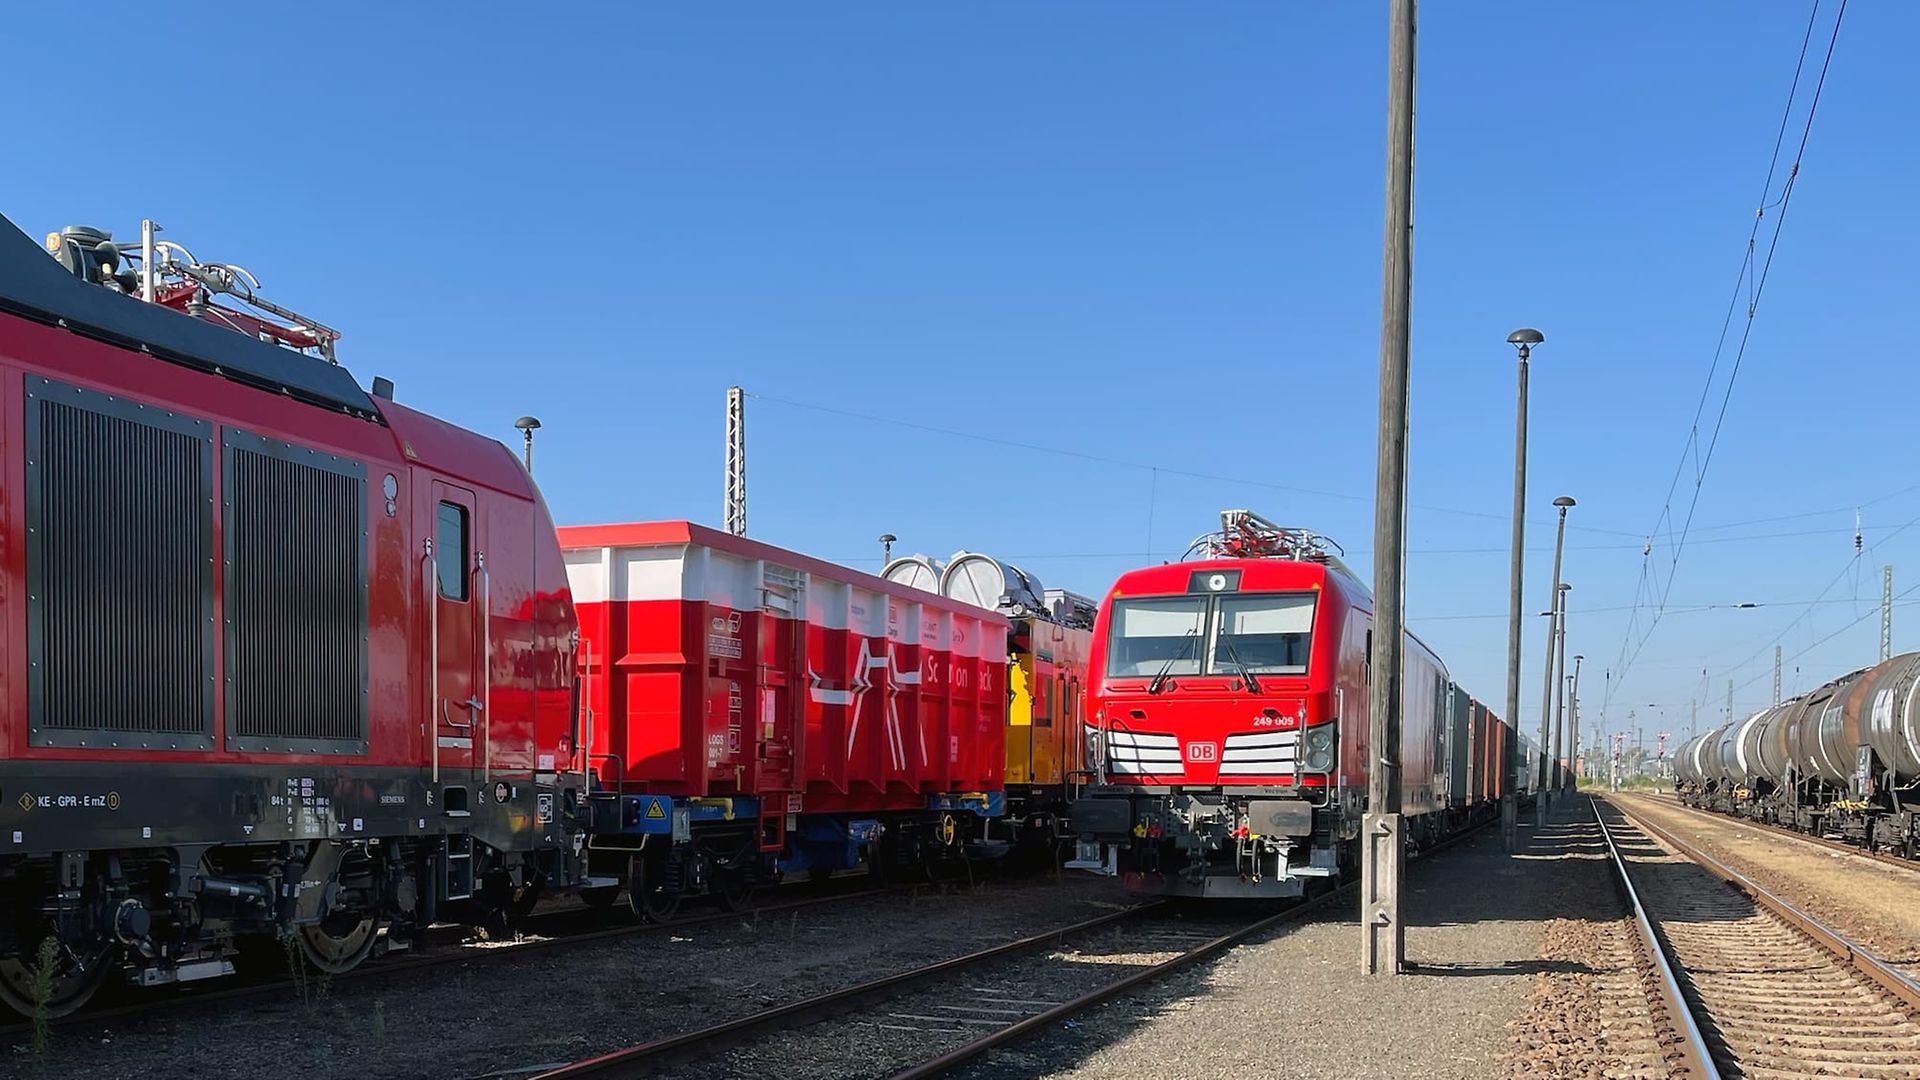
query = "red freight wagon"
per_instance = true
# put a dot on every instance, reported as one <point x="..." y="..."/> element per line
<point x="753" y="710"/>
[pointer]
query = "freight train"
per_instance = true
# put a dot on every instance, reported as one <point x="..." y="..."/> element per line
<point x="1843" y="760"/>
<point x="1230" y="719"/>
<point x="284" y="659"/>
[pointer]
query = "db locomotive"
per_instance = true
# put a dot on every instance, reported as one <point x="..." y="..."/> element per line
<point x="283" y="659"/>
<point x="1229" y="729"/>
<point x="1843" y="760"/>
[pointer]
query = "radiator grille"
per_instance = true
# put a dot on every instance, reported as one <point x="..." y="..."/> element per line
<point x="296" y="598"/>
<point x="119" y="564"/>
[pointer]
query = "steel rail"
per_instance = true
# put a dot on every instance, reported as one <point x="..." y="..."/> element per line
<point x="1021" y="1029"/>
<point x="947" y="1062"/>
<point x="1866" y="963"/>
<point x="1696" y="1060"/>
<point x="1911" y="866"/>
<point x="639" y="1061"/>
<point x="240" y="987"/>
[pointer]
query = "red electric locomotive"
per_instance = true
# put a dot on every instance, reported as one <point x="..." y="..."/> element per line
<point x="282" y="658"/>
<point x="1229" y="723"/>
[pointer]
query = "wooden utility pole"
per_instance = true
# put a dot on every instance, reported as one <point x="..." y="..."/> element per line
<point x="1383" y="853"/>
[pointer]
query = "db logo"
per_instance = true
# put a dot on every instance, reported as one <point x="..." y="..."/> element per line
<point x="1203" y="751"/>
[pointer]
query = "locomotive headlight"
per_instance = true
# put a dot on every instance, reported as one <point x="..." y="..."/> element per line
<point x="1320" y="749"/>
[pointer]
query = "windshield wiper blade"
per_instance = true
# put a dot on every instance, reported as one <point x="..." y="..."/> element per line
<point x="1246" y="672"/>
<point x="1186" y="646"/>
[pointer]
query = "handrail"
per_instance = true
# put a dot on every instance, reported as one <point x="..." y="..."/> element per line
<point x="427" y="576"/>
<point x="484" y="719"/>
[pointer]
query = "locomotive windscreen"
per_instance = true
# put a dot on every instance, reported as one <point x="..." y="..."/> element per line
<point x="1266" y="633"/>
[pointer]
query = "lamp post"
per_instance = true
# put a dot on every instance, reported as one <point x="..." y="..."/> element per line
<point x="1524" y="340"/>
<point x="1573" y="720"/>
<point x="886" y="549"/>
<point x="527" y="425"/>
<point x="1560" y="688"/>
<point x="1546" y="693"/>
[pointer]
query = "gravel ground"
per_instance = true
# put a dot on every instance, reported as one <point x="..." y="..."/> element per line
<point x="922" y="1024"/>
<point x="1875" y="904"/>
<point x="1590" y="1014"/>
<point x="1298" y="1005"/>
<point x="507" y="1015"/>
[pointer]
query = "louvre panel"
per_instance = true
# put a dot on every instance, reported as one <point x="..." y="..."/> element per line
<point x="296" y="596"/>
<point x="119" y="562"/>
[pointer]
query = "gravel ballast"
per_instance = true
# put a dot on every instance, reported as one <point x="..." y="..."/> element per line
<point x="506" y="1015"/>
<point x="1297" y="1003"/>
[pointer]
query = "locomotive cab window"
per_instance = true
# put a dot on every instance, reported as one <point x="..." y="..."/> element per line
<point x="1266" y="633"/>
<point x="450" y="550"/>
<point x="1152" y="635"/>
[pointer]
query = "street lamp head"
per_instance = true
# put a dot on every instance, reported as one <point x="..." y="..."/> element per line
<point x="1525" y="336"/>
<point x="1578" y="657"/>
<point x="1565" y="585"/>
<point x="888" y="538"/>
<point x="527" y="423"/>
<point x="1563" y="502"/>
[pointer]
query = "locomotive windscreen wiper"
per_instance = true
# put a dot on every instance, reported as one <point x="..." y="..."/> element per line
<point x="1246" y="672"/>
<point x="1186" y="645"/>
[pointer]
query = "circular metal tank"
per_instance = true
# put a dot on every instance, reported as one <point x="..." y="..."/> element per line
<point x="916" y="572"/>
<point x="1820" y="745"/>
<point x="1707" y="753"/>
<point x="1887" y="717"/>
<point x="1725" y="755"/>
<point x="984" y="581"/>
<point x="1759" y="755"/>
<point x="1689" y="763"/>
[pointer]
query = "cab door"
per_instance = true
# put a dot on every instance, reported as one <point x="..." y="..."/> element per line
<point x="455" y="642"/>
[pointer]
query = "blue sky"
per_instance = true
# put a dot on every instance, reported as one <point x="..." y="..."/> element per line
<point x="1143" y="233"/>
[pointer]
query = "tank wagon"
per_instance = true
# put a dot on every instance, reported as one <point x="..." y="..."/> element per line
<point x="282" y="658"/>
<point x="753" y="711"/>
<point x="1049" y="636"/>
<point x="1842" y="760"/>
<point x="1229" y="699"/>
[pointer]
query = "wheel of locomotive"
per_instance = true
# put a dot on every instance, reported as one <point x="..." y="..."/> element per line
<point x="645" y="894"/>
<point x="70" y="985"/>
<point x="733" y="888"/>
<point x="819" y="875"/>
<point x="600" y="898"/>
<point x="338" y="943"/>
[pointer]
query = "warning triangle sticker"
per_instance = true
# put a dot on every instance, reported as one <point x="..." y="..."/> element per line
<point x="656" y="810"/>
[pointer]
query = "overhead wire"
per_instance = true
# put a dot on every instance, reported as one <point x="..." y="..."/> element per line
<point x="1753" y="283"/>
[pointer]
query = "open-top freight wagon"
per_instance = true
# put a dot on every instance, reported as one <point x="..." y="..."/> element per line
<point x="754" y="711"/>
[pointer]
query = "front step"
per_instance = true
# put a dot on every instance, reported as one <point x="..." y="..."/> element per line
<point x="458" y="867"/>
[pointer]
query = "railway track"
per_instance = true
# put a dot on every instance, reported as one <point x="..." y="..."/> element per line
<point x="1857" y="850"/>
<point x="1751" y="986"/>
<point x="927" y="1021"/>
<point x="543" y="931"/>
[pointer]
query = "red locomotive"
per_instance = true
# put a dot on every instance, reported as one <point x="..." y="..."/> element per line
<point x="1229" y="726"/>
<point x="282" y="658"/>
